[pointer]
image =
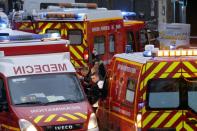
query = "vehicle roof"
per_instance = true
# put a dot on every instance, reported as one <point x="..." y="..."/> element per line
<point x="27" y="63"/>
<point x="139" y="58"/>
<point x="14" y="32"/>
<point x="33" y="43"/>
<point x="89" y="14"/>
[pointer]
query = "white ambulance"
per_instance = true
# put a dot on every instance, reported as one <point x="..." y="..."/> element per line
<point x="39" y="89"/>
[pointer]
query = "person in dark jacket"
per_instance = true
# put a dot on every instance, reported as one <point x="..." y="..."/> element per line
<point x="85" y="79"/>
<point x="96" y="90"/>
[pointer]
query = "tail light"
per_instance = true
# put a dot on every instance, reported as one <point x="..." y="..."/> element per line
<point x="85" y="55"/>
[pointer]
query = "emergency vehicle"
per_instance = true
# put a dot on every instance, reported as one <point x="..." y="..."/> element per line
<point x="39" y="89"/>
<point x="87" y="27"/>
<point x="155" y="93"/>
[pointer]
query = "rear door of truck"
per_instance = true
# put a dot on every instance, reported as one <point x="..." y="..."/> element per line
<point x="160" y="93"/>
<point x="189" y="72"/>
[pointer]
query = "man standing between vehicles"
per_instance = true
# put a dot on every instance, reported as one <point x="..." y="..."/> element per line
<point x="96" y="88"/>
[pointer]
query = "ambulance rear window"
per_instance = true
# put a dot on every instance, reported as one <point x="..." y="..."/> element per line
<point x="163" y="93"/>
<point x="45" y="89"/>
<point x="75" y="37"/>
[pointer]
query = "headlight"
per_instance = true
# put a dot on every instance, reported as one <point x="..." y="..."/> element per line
<point x="26" y="125"/>
<point x="92" y="121"/>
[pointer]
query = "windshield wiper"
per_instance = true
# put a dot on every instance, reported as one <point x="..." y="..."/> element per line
<point x="64" y="101"/>
<point x="30" y="103"/>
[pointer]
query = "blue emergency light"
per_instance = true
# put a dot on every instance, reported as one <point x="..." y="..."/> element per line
<point x="4" y="37"/>
<point x="126" y="14"/>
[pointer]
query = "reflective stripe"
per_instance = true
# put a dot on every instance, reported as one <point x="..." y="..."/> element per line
<point x="71" y="116"/>
<point x="38" y="118"/>
<point x="61" y="119"/>
<point x="10" y="127"/>
<point x="50" y="118"/>
<point x="81" y="115"/>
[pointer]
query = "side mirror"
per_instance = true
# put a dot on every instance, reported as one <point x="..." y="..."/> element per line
<point x="4" y="106"/>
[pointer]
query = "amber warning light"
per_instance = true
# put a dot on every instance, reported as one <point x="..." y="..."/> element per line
<point x="183" y="52"/>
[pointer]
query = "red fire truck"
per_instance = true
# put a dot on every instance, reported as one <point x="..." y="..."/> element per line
<point x="87" y="27"/>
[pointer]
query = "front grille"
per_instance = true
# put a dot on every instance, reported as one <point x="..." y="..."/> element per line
<point x="161" y="129"/>
<point x="65" y="127"/>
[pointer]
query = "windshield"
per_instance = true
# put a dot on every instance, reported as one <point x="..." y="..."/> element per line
<point x="172" y="93"/>
<point x="50" y="88"/>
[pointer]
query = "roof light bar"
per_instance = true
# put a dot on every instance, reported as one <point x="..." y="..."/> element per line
<point x="183" y="52"/>
<point x="78" y="5"/>
<point x="61" y="15"/>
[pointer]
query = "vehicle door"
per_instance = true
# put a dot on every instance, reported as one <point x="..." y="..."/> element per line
<point x="189" y="73"/>
<point x="129" y="96"/>
<point x="161" y="91"/>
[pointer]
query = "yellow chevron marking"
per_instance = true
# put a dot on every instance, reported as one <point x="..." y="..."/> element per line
<point x="144" y="96"/>
<point x="71" y="116"/>
<point x="173" y="119"/>
<point x="187" y="127"/>
<point x="84" y="43"/>
<point x="177" y="75"/>
<point x="179" y="126"/>
<point x="160" y="120"/>
<point x="25" y="25"/>
<point x="81" y="115"/>
<point x="143" y="70"/>
<point x="69" y="26"/>
<point x="47" y="26"/>
<point x="65" y="32"/>
<point x="172" y="67"/>
<point x="148" y="119"/>
<point x="38" y="118"/>
<point x="148" y="65"/>
<point x="141" y="85"/>
<point x="164" y="75"/>
<point x="74" y="62"/>
<point x="50" y="118"/>
<point x="75" y="53"/>
<point x="40" y="24"/>
<point x="58" y="26"/>
<point x="79" y="26"/>
<point x="186" y="75"/>
<point x="80" y="48"/>
<point x="154" y="71"/>
<point x="190" y="66"/>
<point x="61" y="119"/>
<point x="143" y="109"/>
